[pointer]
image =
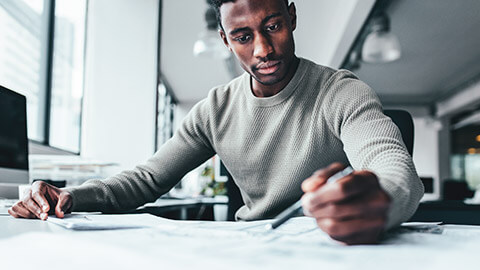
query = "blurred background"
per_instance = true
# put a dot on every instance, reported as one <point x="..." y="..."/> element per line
<point x="108" y="81"/>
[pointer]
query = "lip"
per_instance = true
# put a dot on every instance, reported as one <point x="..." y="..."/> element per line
<point x="269" y="67"/>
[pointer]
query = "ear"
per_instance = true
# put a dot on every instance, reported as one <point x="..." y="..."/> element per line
<point x="292" y="11"/>
<point x="224" y="38"/>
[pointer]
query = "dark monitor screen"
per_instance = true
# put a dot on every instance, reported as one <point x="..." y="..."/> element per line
<point x="13" y="130"/>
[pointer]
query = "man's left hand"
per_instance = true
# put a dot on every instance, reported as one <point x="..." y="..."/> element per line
<point x="353" y="210"/>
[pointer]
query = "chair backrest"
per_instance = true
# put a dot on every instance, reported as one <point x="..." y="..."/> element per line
<point x="404" y="121"/>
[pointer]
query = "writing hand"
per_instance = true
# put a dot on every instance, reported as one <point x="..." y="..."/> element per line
<point x="352" y="210"/>
<point x="40" y="200"/>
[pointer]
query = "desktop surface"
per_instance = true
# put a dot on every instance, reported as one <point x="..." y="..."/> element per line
<point x="299" y="244"/>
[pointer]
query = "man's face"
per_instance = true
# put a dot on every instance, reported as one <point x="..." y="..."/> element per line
<point x="260" y="34"/>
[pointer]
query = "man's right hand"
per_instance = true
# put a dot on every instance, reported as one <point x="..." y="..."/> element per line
<point x="40" y="200"/>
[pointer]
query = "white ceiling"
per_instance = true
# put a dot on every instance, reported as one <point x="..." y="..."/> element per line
<point x="440" y="42"/>
<point x="325" y="31"/>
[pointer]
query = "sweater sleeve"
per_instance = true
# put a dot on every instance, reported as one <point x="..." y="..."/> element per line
<point x="187" y="149"/>
<point x="373" y="142"/>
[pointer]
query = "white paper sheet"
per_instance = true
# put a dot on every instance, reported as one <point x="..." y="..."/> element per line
<point x="84" y="222"/>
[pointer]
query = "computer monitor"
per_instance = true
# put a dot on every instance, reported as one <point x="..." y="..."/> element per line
<point x="13" y="143"/>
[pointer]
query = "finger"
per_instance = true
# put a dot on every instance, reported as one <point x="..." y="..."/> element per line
<point x="13" y="213"/>
<point x="19" y="211"/>
<point x="64" y="204"/>
<point x="343" y="230"/>
<point x="345" y="188"/>
<point x="38" y="195"/>
<point x="364" y="238"/>
<point x="371" y="204"/>
<point x="34" y="208"/>
<point x="320" y="177"/>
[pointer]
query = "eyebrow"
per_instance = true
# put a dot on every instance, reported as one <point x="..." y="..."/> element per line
<point x="265" y="20"/>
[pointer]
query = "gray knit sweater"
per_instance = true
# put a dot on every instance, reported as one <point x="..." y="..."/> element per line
<point x="270" y="145"/>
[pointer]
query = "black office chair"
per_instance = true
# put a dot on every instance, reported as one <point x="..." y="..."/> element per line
<point x="404" y="121"/>
<point x="456" y="190"/>
<point x="401" y="118"/>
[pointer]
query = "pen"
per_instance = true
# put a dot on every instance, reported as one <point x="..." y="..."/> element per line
<point x="295" y="208"/>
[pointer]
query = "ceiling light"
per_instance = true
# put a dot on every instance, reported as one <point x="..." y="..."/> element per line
<point x="209" y="43"/>
<point x="380" y="45"/>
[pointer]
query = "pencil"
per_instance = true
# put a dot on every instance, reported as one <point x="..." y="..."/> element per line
<point x="296" y="208"/>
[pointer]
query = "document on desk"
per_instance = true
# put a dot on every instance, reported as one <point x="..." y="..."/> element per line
<point x="85" y="222"/>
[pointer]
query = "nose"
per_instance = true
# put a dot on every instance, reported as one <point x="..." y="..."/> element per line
<point x="262" y="47"/>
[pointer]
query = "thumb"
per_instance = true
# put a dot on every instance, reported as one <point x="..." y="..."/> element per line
<point x="320" y="177"/>
<point x="64" y="204"/>
<point x="312" y="183"/>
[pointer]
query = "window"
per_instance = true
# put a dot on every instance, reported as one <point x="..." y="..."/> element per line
<point x="67" y="74"/>
<point x="465" y="159"/>
<point x="21" y="59"/>
<point x="165" y="109"/>
<point x="41" y="57"/>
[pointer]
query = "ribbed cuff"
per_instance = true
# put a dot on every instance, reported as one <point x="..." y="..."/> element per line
<point x="398" y="211"/>
<point x="87" y="197"/>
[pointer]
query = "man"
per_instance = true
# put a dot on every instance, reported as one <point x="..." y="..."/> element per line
<point x="273" y="127"/>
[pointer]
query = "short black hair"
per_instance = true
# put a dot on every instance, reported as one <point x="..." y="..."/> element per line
<point x="216" y="4"/>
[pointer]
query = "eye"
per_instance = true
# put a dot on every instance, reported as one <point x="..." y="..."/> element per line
<point x="242" y="39"/>
<point x="273" y="27"/>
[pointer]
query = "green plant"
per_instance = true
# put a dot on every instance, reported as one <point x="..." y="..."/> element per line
<point x="212" y="188"/>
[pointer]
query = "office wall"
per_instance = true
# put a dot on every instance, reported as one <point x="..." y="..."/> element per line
<point x="120" y="81"/>
<point x="181" y="111"/>
<point x="426" y="149"/>
<point x="326" y="29"/>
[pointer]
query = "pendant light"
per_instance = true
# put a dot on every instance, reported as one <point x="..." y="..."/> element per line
<point x="209" y="43"/>
<point x="380" y="45"/>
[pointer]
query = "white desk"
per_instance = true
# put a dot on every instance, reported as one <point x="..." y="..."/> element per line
<point x="27" y="244"/>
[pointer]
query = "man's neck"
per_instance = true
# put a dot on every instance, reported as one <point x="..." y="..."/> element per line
<point x="262" y="90"/>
